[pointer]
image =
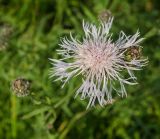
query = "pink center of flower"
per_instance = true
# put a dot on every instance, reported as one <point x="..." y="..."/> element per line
<point x="95" y="58"/>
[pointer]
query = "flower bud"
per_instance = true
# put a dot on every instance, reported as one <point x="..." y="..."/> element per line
<point x="21" y="87"/>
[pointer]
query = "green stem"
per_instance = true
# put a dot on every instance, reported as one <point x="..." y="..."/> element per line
<point x="13" y="117"/>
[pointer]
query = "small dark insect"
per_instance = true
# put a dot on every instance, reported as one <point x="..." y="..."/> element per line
<point x="21" y="87"/>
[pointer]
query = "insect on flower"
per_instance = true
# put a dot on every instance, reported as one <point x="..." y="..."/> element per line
<point x="101" y="62"/>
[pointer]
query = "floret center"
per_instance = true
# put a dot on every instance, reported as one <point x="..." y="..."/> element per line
<point x="94" y="58"/>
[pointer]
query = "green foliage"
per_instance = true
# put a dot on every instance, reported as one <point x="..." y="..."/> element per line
<point x="53" y="113"/>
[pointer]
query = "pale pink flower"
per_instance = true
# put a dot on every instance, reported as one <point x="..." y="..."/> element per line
<point x="101" y="62"/>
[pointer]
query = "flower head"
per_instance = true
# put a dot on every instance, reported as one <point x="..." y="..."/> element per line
<point x="6" y="32"/>
<point x="101" y="62"/>
<point x="21" y="87"/>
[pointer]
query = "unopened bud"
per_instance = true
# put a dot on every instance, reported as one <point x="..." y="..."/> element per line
<point x="5" y="33"/>
<point x="104" y="15"/>
<point x="21" y="87"/>
<point x="133" y="53"/>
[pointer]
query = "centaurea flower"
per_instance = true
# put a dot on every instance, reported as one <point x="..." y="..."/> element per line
<point x="101" y="62"/>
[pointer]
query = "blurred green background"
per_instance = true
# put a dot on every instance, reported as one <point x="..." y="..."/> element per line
<point x="53" y="113"/>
